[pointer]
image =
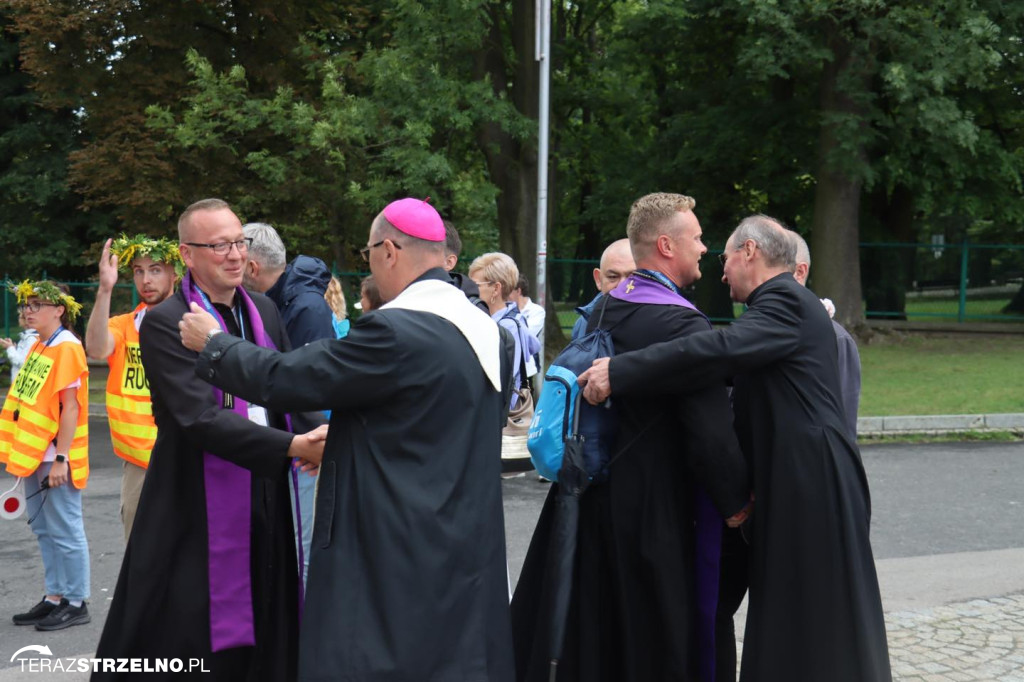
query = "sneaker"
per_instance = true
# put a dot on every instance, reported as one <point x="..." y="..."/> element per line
<point x="64" y="616"/>
<point x="35" y="614"/>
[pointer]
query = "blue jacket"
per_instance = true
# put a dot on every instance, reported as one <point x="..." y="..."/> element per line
<point x="580" y="327"/>
<point x="299" y="295"/>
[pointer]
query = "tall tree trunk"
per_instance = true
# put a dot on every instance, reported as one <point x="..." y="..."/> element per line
<point x="512" y="163"/>
<point x="835" y="232"/>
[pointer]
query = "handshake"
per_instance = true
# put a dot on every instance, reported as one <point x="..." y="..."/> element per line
<point x="307" y="449"/>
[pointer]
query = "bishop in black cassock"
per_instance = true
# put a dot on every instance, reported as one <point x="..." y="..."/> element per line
<point x="407" y="576"/>
<point x="815" y="612"/>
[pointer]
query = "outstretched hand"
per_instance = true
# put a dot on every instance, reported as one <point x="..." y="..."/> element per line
<point x="595" y="382"/>
<point x="194" y="327"/>
<point x="108" y="268"/>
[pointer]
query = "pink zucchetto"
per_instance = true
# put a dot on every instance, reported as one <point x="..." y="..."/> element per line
<point x="416" y="218"/>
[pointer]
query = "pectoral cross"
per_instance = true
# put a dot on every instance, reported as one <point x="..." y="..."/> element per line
<point x="629" y="286"/>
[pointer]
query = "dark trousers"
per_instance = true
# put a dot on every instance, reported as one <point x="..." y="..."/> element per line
<point x="732" y="586"/>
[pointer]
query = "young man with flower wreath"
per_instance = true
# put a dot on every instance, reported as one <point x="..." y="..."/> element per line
<point x="155" y="266"/>
<point x="44" y="439"/>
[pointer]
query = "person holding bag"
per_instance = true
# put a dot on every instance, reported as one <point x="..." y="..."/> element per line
<point x="497" y="276"/>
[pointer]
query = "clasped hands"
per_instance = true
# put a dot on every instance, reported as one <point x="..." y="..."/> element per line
<point x="307" y="449"/>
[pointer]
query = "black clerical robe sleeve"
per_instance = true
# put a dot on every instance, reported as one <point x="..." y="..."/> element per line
<point x="768" y="331"/>
<point x="712" y="451"/>
<point x="189" y="403"/>
<point x="360" y="369"/>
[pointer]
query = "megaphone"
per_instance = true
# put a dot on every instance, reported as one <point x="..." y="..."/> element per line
<point x="12" y="502"/>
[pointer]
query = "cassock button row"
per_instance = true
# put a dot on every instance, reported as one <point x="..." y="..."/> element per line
<point x="216" y="354"/>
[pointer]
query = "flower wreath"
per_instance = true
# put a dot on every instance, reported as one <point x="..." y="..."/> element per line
<point x="48" y="291"/>
<point x="161" y="250"/>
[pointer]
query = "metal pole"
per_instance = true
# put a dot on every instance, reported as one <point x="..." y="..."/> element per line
<point x="962" y="311"/>
<point x="543" y="47"/>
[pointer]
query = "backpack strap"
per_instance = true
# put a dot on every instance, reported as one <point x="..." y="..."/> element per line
<point x="624" y="448"/>
<point x="511" y="314"/>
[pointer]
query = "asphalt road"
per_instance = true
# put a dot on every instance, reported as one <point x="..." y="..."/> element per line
<point x="947" y="524"/>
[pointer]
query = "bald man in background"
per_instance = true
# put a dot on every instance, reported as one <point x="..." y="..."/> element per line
<point x="616" y="265"/>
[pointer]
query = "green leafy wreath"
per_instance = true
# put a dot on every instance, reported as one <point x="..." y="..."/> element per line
<point x="48" y="291"/>
<point x="160" y="250"/>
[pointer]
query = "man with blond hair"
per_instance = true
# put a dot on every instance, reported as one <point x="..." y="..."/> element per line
<point x="153" y="264"/>
<point x="649" y="534"/>
<point x="815" y="612"/>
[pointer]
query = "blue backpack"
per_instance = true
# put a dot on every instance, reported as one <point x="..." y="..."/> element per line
<point x="561" y="413"/>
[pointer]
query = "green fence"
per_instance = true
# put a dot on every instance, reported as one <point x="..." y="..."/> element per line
<point x="942" y="282"/>
<point x="917" y="282"/>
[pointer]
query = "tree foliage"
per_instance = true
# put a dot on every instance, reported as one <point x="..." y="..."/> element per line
<point x="848" y="120"/>
<point x="43" y="228"/>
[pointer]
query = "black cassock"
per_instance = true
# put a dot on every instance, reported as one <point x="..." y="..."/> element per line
<point x="633" y="609"/>
<point x="815" y="612"/>
<point x="161" y="603"/>
<point x="407" y="575"/>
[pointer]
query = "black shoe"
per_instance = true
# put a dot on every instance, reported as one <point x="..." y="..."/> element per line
<point x="64" y="616"/>
<point x="35" y="614"/>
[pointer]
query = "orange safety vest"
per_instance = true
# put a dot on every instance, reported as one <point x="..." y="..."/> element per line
<point x="129" y="406"/>
<point x="35" y="396"/>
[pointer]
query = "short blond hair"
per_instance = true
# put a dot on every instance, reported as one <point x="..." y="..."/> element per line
<point x="498" y="268"/>
<point x="648" y="216"/>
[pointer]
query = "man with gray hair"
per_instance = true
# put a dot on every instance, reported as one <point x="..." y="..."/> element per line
<point x="298" y="292"/>
<point x="815" y="612"/>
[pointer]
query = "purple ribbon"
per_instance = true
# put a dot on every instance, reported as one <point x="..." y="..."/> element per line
<point x="229" y="510"/>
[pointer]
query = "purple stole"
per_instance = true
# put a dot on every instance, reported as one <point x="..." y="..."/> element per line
<point x="708" y="522"/>
<point x="229" y="508"/>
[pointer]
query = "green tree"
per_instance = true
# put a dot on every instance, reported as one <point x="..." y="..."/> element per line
<point x="43" y="228"/>
<point x="110" y="59"/>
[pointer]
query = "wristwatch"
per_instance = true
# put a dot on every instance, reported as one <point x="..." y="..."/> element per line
<point x="210" y="334"/>
<point x="60" y="458"/>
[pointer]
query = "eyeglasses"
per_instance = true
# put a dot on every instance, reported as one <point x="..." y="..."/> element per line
<point x="34" y="306"/>
<point x="724" y="256"/>
<point x="223" y="248"/>
<point x="365" y="251"/>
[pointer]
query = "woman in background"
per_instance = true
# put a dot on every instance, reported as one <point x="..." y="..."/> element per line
<point x="335" y="298"/>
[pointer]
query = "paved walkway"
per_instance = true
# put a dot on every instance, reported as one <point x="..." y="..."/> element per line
<point x="981" y="639"/>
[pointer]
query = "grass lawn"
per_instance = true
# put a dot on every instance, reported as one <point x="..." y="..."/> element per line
<point x="901" y="374"/>
<point x="942" y="374"/>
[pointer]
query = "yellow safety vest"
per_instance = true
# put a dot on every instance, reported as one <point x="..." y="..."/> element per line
<point x="129" y="406"/>
<point x="35" y="397"/>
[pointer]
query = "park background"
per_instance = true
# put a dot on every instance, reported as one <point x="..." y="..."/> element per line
<point x="891" y="135"/>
